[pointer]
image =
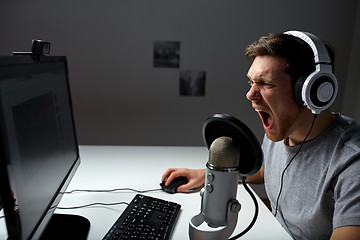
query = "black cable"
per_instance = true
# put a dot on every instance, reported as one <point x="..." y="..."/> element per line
<point x="104" y="191"/>
<point x="255" y="214"/>
<point x="283" y="173"/>
<point x="112" y="190"/>
<point x="93" y="204"/>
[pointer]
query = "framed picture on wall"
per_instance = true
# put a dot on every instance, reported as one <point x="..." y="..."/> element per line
<point x="166" y="54"/>
<point x="192" y="83"/>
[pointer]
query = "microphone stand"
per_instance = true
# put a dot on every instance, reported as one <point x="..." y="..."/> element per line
<point x="198" y="229"/>
<point x="199" y="225"/>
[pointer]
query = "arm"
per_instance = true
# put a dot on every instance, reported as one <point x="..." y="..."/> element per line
<point x="196" y="177"/>
<point x="257" y="178"/>
<point x="346" y="233"/>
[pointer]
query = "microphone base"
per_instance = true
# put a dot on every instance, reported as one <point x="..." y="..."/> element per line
<point x="200" y="230"/>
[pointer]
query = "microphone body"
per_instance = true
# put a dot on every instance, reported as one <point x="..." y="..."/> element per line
<point x="219" y="190"/>
<point x="219" y="207"/>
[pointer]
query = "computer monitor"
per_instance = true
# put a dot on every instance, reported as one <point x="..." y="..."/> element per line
<point x="38" y="147"/>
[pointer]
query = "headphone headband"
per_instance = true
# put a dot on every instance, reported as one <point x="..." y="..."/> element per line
<point x="320" y="53"/>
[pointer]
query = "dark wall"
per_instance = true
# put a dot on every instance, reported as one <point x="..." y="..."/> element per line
<point x="121" y="98"/>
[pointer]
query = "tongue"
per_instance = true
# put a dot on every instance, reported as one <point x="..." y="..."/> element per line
<point x="267" y="119"/>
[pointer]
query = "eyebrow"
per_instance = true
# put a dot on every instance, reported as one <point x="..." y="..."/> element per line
<point x="260" y="79"/>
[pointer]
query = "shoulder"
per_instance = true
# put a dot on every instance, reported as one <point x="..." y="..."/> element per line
<point x="346" y="136"/>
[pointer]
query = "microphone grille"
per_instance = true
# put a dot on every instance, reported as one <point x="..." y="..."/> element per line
<point x="224" y="153"/>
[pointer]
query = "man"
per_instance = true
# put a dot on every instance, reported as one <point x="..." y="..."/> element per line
<point x="311" y="167"/>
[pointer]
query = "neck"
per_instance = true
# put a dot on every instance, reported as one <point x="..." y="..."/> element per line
<point x="303" y="124"/>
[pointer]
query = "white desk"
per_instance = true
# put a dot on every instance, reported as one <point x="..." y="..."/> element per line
<point x="109" y="167"/>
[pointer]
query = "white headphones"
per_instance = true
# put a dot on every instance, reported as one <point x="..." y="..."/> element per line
<point x="318" y="90"/>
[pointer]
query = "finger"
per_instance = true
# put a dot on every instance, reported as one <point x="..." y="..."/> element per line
<point x="183" y="188"/>
<point x="173" y="175"/>
<point x="166" y="174"/>
<point x="186" y="187"/>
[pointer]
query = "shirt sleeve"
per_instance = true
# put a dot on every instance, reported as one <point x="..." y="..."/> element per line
<point x="347" y="195"/>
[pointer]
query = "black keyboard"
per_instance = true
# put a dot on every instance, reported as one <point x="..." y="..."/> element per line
<point x="145" y="218"/>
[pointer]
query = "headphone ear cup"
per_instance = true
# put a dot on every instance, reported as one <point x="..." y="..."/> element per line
<point x="322" y="92"/>
<point x="297" y="89"/>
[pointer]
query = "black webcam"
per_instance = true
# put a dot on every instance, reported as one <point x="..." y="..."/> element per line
<point x="38" y="47"/>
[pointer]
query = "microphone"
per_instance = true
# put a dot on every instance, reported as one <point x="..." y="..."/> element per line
<point x="226" y="137"/>
<point x="219" y="207"/>
<point x="221" y="181"/>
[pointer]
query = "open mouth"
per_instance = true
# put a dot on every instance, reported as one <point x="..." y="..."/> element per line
<point x="266" y="119"/>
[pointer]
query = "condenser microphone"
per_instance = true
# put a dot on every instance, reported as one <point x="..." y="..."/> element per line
<point x="221" y="181"/>
<point x="227" y="138"/>
<point x="219" y="207"/>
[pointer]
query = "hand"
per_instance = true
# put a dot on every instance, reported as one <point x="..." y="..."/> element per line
<point x="196" y="177"/>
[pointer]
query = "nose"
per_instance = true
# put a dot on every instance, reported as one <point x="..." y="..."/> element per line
<point x="253" y="93"/>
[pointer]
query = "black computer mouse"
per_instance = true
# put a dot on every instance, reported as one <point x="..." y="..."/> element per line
<point x="175" y="183"/>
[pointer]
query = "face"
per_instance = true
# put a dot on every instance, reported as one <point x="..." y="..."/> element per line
<point x="272" y="97"/>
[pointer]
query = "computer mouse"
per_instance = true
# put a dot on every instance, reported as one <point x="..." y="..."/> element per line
<point x="175" y="183"/>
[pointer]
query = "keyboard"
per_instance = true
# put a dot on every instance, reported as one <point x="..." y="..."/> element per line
<point x="145" y="218"/>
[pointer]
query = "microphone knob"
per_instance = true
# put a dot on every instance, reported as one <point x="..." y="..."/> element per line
<point x="202" y="192"/>
<point x="210" y="177"/>
<point x="235" y="206"/>
<point x="209" y="188"/>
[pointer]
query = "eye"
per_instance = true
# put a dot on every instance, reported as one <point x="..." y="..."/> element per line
<point x="261" y="83"/>
<point x="267" y="85"/>
<point x="251" y="82"/>
<point x="258" y="83"/>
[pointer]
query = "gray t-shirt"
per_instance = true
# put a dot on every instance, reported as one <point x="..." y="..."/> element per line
<point x="321" y="187"/>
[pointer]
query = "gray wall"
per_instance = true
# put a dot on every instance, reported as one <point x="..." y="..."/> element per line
<point x="119" y="98"/>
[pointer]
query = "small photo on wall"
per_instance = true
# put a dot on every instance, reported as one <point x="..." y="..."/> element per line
<point x="192" y="83"/>
<point x="166" y="54"/>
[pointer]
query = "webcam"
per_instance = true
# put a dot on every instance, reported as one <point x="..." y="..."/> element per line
<point x="38" y="48"/>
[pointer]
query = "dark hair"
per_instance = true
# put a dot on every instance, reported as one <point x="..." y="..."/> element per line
<point x="297" y="52"/>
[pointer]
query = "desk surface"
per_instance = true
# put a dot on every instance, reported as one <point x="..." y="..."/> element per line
<point x="140" y="168"/>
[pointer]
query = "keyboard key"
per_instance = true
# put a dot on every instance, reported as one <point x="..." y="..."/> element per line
<point x="145" y="218"/>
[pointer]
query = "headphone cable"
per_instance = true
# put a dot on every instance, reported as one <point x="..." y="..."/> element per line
<point x="283" y="173"/>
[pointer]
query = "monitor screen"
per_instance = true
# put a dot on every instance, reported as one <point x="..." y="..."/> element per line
<point x="39" y="151"/>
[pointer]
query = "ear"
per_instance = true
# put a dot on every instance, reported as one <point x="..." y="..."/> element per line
<point x="297" y="89"/>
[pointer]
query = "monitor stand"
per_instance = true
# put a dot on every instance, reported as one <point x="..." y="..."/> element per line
<point x="66" y="226"/>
